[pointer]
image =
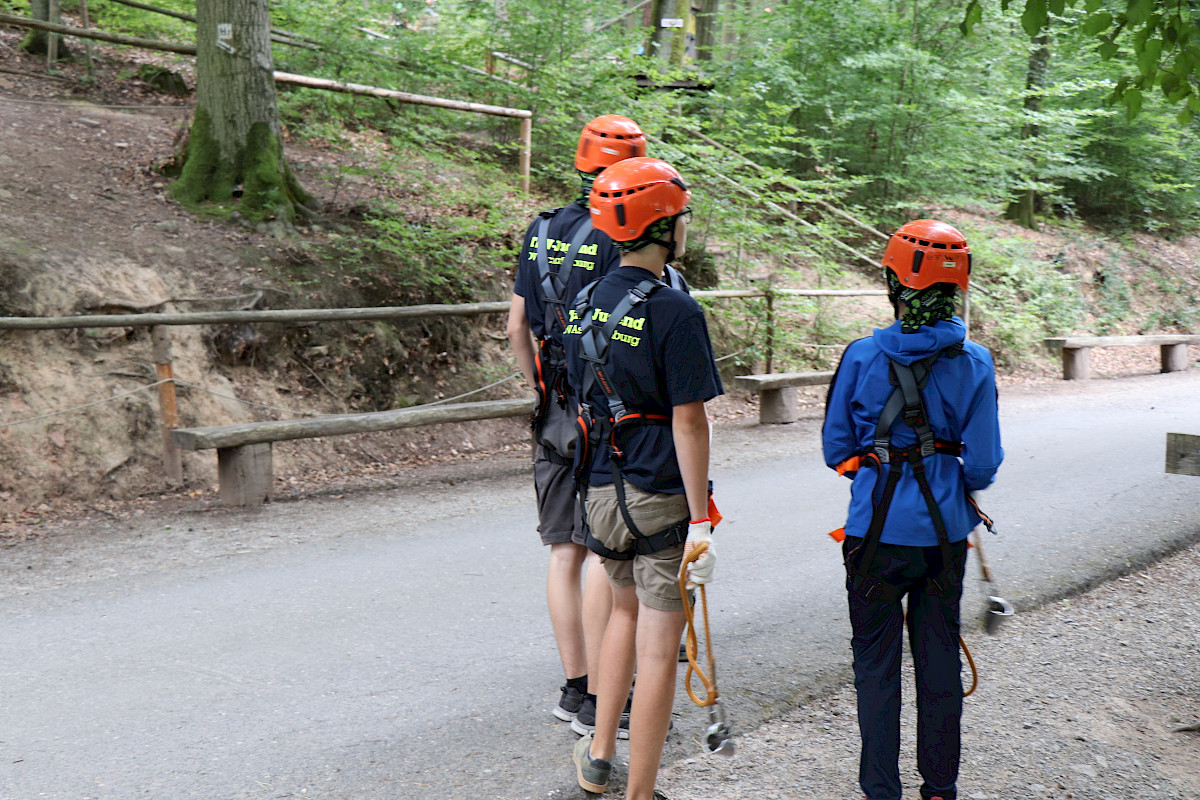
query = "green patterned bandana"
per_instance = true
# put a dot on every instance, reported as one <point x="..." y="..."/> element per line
<point x="586" y="180"/>
<point x="922" y="306"/>
<point x="656" y="233"/>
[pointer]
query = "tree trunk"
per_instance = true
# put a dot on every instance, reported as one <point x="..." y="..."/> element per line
<point x="234" y="148"/>
<point x="706" y="25"/>
<point x="654" y="23"/>
<point x="1023" y="209"/>
<point x="37" y="42"/>
<point x="683" y="10"/>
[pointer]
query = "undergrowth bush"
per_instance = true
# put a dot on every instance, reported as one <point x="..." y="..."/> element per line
<point x="1019" y="300"/>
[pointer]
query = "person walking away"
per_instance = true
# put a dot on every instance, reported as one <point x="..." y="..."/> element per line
<point x="640" y="353"/>
<point x="911" y="418"/>
<point x="561" y="252"/>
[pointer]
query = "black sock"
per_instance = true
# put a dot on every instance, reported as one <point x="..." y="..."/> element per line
<point x="579" y="684"/>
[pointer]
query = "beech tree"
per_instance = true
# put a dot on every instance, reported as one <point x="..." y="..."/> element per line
<point x="234" y="148"/>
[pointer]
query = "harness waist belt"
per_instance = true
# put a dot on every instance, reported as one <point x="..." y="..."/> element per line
<point x="668" y="537"/>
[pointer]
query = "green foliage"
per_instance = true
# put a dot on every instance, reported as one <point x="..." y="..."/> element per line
<point x="118" y="18"/>
<point x="1142" y="173"/>
<point x="1020" y="300"/>
<point x="1164" y="38"/>
<point x="440" y="256"/>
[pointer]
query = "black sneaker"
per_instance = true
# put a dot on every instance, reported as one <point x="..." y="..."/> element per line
<point x="683" y="653"/>
<point x="585" y="721"/>
<point x="568" y="704"/>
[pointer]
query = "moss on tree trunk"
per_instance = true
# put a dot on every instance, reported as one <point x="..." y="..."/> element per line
<point x="258" y="178"/>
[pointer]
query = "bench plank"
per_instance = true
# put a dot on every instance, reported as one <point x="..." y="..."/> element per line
<point x="1173" y="350"/>
<point x="248" y="433"/>
<point x="779" y="380"/>
<point x="1056" y="342"/>
<point x="778" y="404"/>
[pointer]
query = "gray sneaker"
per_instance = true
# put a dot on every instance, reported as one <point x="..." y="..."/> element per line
<point x="593" y="773"/>
<point x="585" y="719"/>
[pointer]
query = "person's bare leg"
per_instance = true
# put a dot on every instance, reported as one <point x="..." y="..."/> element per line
<point x="615" y="671"/>
<point x="564" y="596"/>
<point x="657" y="638"/>
<point x="597" y="606"/>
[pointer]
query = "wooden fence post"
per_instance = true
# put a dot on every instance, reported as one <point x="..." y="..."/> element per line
<point x="168" y="410"/>
<point x="526" y="151"/>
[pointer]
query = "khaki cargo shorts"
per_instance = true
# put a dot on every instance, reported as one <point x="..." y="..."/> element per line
<point x="655" y="576"/>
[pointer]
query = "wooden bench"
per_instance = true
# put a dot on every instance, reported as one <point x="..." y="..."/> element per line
<point x="1076" y="349"/>
<point x="244" y="459"/>
<point x="777" y="391"/>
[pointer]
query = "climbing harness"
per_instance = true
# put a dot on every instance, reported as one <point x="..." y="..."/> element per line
<point x="596" y="429"/>
<point x="550" y="362"/>
<point x="839" y="536"/>
<point x="718" y="738"/>
<point x="906" y="403"/>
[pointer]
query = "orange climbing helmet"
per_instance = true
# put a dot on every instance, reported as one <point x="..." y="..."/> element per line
<point x="632" y="194"/>
<point x="925" y="251"/>
<point x="606" y="140"/>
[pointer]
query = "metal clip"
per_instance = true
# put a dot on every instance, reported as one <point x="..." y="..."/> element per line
<point x="719" y="737"/>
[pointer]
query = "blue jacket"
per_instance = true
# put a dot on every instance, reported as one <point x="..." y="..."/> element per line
<point x="960" y="399"/>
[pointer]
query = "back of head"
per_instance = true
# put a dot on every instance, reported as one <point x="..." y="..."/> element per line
<point x="926" y="251"/>
<point x="606" y="140"/>
<point x="629" y="197"/>
<point x="925" y="263"/>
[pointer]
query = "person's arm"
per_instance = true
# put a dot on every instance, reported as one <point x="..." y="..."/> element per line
<point x="982" y="452"/>
<point x="838" y="440"/>
<point x="521" y="339"/>
<point x="689" y="427"/>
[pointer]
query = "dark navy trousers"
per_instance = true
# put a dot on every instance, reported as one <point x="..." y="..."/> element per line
<point x="933" y="632"/>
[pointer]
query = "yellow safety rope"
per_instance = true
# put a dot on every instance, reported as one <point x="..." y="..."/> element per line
<point x="709" y="679"/>
<point x="971" y="661"/>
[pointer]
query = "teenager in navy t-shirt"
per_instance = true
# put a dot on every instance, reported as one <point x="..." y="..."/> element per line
<point x="660" y="367"/>
<point x="578" y="614"/>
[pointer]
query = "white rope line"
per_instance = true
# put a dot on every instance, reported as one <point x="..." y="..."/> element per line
<point x="473" y="391"/>
<point x="85" y="405"/>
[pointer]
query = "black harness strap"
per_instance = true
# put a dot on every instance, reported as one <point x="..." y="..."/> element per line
<point x="905" y="402"/>
<point x="550" y="362"/>
<point x="595" y="340"/>
<point x="550" y="280"/>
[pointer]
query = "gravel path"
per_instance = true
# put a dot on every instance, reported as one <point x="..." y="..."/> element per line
<point x="1084" y="698"/>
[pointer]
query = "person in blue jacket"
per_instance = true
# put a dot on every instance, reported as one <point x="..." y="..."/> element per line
<point x="911" y="417"/>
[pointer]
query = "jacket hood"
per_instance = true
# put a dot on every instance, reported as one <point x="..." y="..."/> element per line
<point x="929" y="339"/>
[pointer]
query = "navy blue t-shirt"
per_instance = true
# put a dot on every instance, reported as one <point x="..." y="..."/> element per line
<point x="660" y="357"/>
<point x="595" y="258"/>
